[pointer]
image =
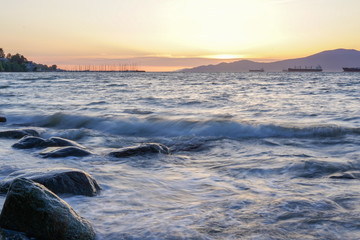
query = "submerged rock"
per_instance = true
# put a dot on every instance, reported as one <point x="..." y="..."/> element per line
<point x="37" y="142"/>
<point x="2" y="119"/>
<point x="59" y="152"/>
<point x="33" y="209"/>
<point x="142" y="149"/>
<point x="18" y="133"/>
<point x="346" y="175"/>
<point x="58" y="180"/>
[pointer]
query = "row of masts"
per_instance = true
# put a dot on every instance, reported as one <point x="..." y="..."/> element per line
<point x="102" y="68"/>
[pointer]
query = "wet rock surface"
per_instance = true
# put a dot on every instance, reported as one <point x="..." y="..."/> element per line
<point x="62" y="142"/>
<point x="37" y="142"/>
<point x="30" y="142"/>
<point x="33" y="209"/>
<point x="6" y="234"/>
<point x="62" y="152"/>
<point x="143" y="149"/>
<point x="58" y="180"/>
<point x="18" y="133"/>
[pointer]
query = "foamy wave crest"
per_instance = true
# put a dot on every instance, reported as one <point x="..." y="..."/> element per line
<point x="160" y="127"/>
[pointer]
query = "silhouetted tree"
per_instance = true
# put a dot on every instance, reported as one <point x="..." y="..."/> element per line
<point x="19" y="59"/>
<point x="17" y="63"/>
<point x="2" y="53"/>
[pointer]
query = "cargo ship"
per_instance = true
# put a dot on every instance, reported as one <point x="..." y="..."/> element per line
<point x="351" y="69"/>
<point x="306" y="69"/>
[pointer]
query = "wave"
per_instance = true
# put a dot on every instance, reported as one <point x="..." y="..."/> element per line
<point x="162" y="127"/>
<point x="39" y="78"/>
<point x="96" y="103"/>
<point x="138" y="111"/>
<point x="316" y="168"/>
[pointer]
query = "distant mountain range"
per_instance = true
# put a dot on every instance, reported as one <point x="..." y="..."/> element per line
<point x="330" y="61"/>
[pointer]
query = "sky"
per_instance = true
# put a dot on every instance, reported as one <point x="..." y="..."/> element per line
<point x="166" y="35"/>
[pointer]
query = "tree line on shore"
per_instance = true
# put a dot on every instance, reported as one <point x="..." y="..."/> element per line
<point x="18" y="63"/>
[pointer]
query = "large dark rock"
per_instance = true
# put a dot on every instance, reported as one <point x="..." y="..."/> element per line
<point x="58" y="180"/>
<point x="60" y="152"/>
<point x="142" y="149"/>
<point x="2" y="119"/>
<point x="33" y="209"/>
<point x="18" y="133"/>
<point x="37" y="142"/>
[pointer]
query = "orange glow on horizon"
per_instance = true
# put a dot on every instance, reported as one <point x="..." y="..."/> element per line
<point x="118" y="68"/>
<point x="226" y="56"/>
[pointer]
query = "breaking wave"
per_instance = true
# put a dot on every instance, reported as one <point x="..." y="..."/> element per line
<point x="162" y="127"/>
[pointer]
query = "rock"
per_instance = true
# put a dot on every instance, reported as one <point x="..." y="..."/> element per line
<point x="142" y="149"/>
<point x="31" y="142"/>
<point x="33" y="209"/>
<point x="6" y="234"/>
<point x="16" y="134"/>
<point x="37" y="142"/>
<point x="62" y="142"/>
<point x="58" y="180"/>
<point x="59" y="152"/>
<point x="346" y="175"/>
<point x="2" y="119"/>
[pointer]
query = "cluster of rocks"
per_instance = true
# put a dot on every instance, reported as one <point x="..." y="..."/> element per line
<point x="32" y="208"/>
<point x="56" y="147"/>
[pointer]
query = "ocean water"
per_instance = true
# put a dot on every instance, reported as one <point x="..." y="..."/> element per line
<point x="254" y="155"/>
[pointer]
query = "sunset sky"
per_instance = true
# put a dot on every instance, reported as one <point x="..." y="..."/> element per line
<point x="164" y="35"/>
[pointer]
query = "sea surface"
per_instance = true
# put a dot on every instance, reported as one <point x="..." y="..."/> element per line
<point x="254" y="155"/>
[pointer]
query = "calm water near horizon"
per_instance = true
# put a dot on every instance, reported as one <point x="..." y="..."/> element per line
<point x="254" y="155"/>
